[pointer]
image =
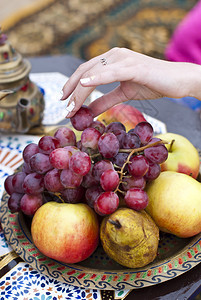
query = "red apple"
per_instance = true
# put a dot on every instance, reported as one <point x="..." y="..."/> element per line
<point x="66" y="232"/>
<point x="124" y="113"/>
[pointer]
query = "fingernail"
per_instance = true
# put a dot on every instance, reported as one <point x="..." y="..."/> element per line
<point x="67" y="101"/>
<point x="62" y="95"/>
<point x="86" y="80"/>
<point x="70" y="108"/>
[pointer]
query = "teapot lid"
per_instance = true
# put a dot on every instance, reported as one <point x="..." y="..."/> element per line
<point x="12" y="66"/>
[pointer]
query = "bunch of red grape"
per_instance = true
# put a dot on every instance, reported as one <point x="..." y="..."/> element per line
<point x="107" y="165"/>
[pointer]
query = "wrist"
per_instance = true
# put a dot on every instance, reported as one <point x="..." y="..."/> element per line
<point x="194" y="77"/>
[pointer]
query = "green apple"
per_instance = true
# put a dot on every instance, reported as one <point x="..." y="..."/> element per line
<point x="66" y="232"/>
<point x="183" y="157"/>
<point x="175" y="203"/>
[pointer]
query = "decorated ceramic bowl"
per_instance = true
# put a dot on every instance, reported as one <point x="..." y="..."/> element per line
<point x="175" y="256"/>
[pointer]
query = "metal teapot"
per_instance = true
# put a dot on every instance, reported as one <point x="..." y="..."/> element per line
<point x="21" y="101"/>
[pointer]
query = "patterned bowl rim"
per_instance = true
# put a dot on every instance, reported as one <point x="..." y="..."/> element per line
<point x="19" y="238"/>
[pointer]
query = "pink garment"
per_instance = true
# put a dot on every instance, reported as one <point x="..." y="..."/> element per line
<point x="185" y="44"/>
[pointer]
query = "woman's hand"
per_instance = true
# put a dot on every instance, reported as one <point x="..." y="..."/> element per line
<point x="140" y="77"/>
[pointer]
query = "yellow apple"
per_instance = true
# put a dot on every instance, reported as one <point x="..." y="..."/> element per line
<point x="183" y="157"/>
<point x="66" y="232"/>
<point x="124" y="113"/>
<point x="175" y="203"/>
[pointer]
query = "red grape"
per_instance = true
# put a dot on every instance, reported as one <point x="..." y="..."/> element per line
<point x="119" y="159"/>
<point x="26" y="168"/>
<point x="156" y="154"/>
<point x="66" y="136"/>
<point x="60" y="157"/>
<point x="121" y="136"/>
<point x="90" y="137"/>
<point x="70" y="179"/>
<point x="153" y="171"/>
<point x="138" y="166"/>
<point x="75" y="195"/>
<point x="52" y="181"/>
<point x="33" y="184"/>
<point x="47" y="144"/>
<point x="80" y="163"/>
<point x="108" y="145"/>
<point x="8" y="184"/>
<point x="87" y="150"/>
<point x="99" y="126"/>
<point x="92" y="194"/>
<point x="109" y="180"/>
<point x="14" y="202"/>
<point x="132" y="182"/>
<point x="40" y="163"/>
<point x="131" y="141"/>
<point x="82" y="119"/>
<point x="17" y="182"/>
<point x="106" y="203"/>
<point x="136" y="199"/>
<point x="145" y="131"/>
<point x="100" y="167"/>
<point x="115" y="127"/>
<point x="30" y="203"/>
<point x="153" y="140"/>
<point x="89" y="180"/>
<point x="29" y="151"/>
<point x="72" y="149"/>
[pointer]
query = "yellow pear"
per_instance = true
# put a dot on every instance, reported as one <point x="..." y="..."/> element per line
<point x="175" y="203"/>
<point x="130" y="237"/>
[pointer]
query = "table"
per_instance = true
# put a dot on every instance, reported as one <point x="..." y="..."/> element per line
<point x="179" y="119"/>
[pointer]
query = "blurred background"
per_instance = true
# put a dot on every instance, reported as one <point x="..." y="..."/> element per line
<point x="86" y="28"/>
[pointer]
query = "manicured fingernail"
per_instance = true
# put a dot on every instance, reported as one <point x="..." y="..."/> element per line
<point x="62" y="95"/>
<point x="67" y="101"/>
<point x="70" y="108"/>
<point x="86" y="80"/>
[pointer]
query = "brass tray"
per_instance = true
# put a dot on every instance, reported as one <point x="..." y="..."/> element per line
<point x="175" y="256"/>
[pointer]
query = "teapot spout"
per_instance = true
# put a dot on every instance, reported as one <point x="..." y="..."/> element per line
<point x="4" y="93"/>
<point x="22" y="115"/>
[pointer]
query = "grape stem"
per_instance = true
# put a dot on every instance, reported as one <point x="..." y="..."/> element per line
<point x="144" y="147"/>
<point x="132" y="151"/>
<point x="59" y="196"/>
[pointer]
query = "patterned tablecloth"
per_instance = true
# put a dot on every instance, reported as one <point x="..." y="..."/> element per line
<point x="22" y="282"/>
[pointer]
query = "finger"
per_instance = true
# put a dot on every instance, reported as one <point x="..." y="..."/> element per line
<point x="81" y="93"/>
<point x="111" y="74"/>
<point x="107" y="101"/>
<point x="72" y="82"/>
<point x="77" y="99"/>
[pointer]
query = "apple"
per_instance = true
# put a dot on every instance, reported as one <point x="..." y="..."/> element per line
<point x="124" y="113"/>
<point x="66" y="232"/>
<point x="183" y="157"/>
<point x="175" y="203"/>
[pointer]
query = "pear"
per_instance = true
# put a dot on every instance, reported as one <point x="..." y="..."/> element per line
<point x="130" y="237"/>
<point x="175" y="203"/>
